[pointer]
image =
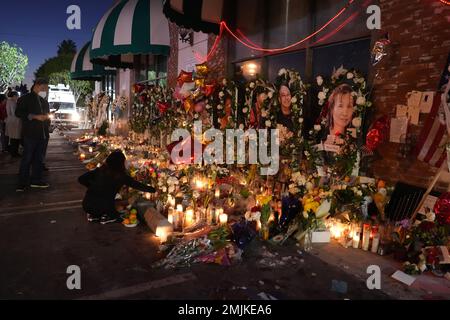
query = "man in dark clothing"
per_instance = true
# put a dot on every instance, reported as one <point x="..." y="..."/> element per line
<point x="34" y="111"/>
<point x="4" y="139"/>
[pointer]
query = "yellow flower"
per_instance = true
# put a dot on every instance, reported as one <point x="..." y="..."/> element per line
<point x="264" y="199"/>
<point x="311" y="205"/>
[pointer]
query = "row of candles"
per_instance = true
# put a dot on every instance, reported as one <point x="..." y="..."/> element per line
<point x="367" y="237"/>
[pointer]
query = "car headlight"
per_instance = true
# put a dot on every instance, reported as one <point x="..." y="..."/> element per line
<point x="75" y="117"/>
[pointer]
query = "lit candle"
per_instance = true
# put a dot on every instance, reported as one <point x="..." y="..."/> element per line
<point x="91" y="150"/>
<point x="258" y="225"/>
<point x="356" y="240"/>
<point x="223" y="218"/>
<point x="147" y="195"/>
<point x="366" y="237"/>
<point x="82" y="157"/>
<point x="199" y="184"/>
<point x="170" y="217"/>
<point x="180" y="208"/>
<point x="189" y="217"/>
<point x="171" y="201"/>
<point x="162" y="233"/>
<point x="217" y="193"/>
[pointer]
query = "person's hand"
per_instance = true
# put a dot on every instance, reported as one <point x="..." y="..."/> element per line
<point x="41" y="117"/>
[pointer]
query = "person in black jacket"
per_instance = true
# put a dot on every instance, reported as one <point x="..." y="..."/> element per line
<point x="34" y="111"/>
<point x="103" y="184"/>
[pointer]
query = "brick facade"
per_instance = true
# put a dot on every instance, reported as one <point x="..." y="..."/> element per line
<point x="420" y="35"/>
<point x="172" y="64"/>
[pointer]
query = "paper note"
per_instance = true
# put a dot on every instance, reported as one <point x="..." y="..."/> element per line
<point x="399" y="129"/>
<point x="414" y="99"/>
<point x="428" y="205"/>
<point x="426" y="102"/>
<point x="414" y="114"/>
<point x="402" y="111"/>
<point x="403" y="277"/>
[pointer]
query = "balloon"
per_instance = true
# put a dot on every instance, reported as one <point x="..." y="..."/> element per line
<point x="442" y="209"/>
<point x="177" y="93"/>
<point x="378" y="133"/>
<point x="209" y="89"/>
<point x="197" y="94"/>
<point x="199" y="106"/>
<point x="199" y="83"/>
<point x="184" y="77"/>
<point x="163" y="107"/>
<point x="188" y="104"/>
<point x="201" y="70"/>
<point x="379" y="50"/>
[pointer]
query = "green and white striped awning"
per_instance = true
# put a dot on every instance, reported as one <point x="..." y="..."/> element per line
<point x="198" y="15"/>
<point x="83" y="69"/>
<point x="129" y="28"/>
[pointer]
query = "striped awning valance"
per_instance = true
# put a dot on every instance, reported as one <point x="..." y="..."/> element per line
<point x="129" y="28"/>
<point x="199" y="15"/>
<point x="83" y="69"/>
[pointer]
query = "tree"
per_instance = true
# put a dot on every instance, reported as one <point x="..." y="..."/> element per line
<point x="62" y="62"/>
<point x="67" y="47"/>
<point x="79" y="88"/>
<point x="13" y="64"/>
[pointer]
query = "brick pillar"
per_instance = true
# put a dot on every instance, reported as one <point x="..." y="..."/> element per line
<point x="420" y="35"/>
<point x="172" y="64"/>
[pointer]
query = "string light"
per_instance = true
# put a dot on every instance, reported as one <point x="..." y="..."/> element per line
<point x="258" y="48"/>
<point x="445" y="2"/>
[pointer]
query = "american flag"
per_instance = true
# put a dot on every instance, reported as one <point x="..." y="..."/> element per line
<point x="431" y="147"/>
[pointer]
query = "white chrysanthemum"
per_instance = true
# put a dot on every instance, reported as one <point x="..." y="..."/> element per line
<point x="356" y="122"/>
<point x="282" y="72"/>
<point x="219" y="107"/>
<point x="268" y="123"/>
<point x="208" y="106"/>
<point x="300" y="120"/>
<point x="245" y="110"/>
<point x="294" y="99"/>
<point x="322" y="95"/>
<point x="164" y="189"/>
<point x="252" y="85"/>
<point x="361" y="101"/>
<point x="317" y="127"/>
<point x="319" y="80"/>
<point x="221" y="94"/>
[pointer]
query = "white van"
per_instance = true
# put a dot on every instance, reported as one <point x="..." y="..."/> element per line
<point x="63" y="107"/>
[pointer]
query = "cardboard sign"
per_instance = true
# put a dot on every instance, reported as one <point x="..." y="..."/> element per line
<point x="402" y="111"/>
<point x="426" y="102"/>
<point x="403" y="277"/>
<point x="414" y="99"/>
<point x="398" y="130"/>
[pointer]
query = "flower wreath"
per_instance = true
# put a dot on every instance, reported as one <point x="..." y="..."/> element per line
<point x="226" y="90"/>
<point x="293" y="80"/>
<point x="359" y="86"/>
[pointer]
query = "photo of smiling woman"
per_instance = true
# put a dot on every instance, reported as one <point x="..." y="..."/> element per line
<point x="340" y="114"/>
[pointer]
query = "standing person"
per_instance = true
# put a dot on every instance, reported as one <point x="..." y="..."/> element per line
<point x="3" y="116"/>
<point x="34" y="111"/>
<point x="103" y="184"/>
<point x="13" y="124"/>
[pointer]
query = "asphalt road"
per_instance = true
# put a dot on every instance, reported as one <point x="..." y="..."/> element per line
<point x="44" y="232"/>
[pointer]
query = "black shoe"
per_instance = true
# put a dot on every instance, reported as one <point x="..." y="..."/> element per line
<point x="20" y="188"/>
<point x="92" y="218"/>
<point x="40" y="185"/>
<point x="106" y="219"/>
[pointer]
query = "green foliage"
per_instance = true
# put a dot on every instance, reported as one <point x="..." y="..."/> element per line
<point x="54" y="65"/>
<point x="67" y="47"/>
<point x="13" y="64"/>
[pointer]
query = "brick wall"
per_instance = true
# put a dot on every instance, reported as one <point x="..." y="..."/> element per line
<point x="420" y="35"/>
<point x="172" y="65"/>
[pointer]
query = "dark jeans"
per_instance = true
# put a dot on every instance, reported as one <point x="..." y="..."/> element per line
<point x="4" y="139"/>
<point x="33" y="156"/>
<point x="14" y="146"/>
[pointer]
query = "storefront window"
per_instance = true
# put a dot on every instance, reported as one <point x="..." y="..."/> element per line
<point x="354" y="54"/>
<point x="295" y="60"/>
